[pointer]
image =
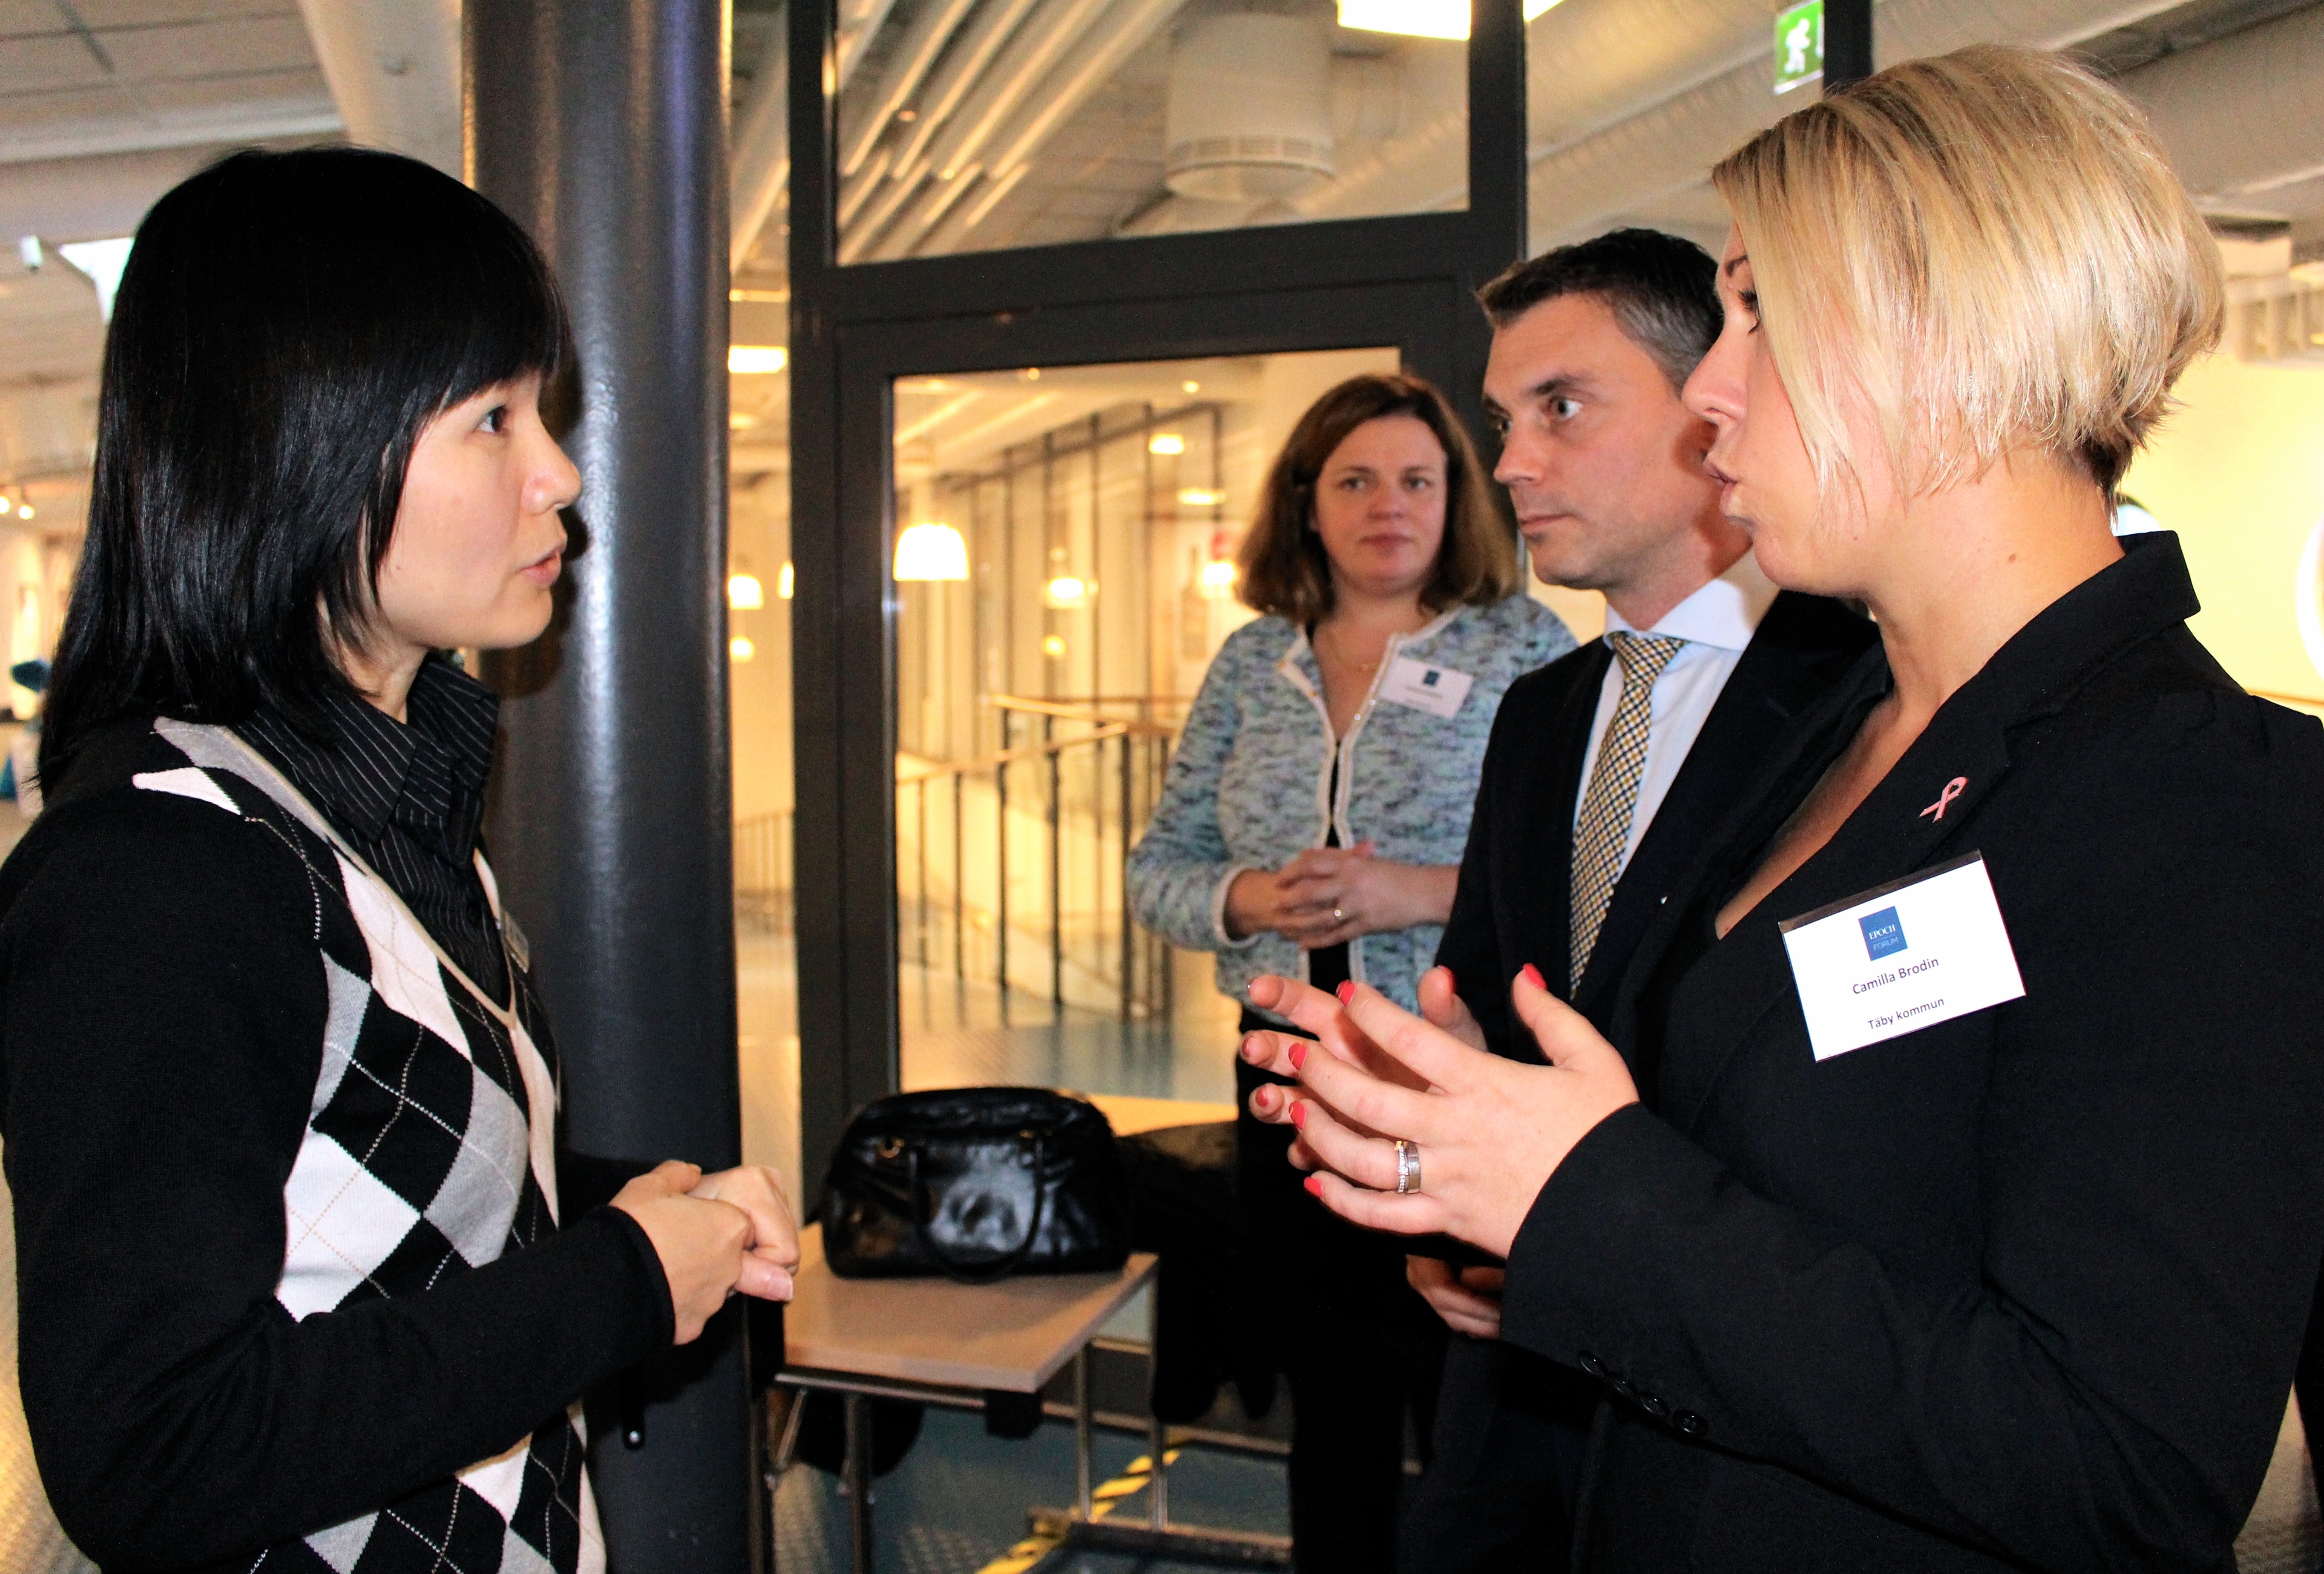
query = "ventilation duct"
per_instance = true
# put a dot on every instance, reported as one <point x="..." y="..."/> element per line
<point x="2241" y="118"/>
<point x="1249" y="117"/>
<point x="1626" y="169"/>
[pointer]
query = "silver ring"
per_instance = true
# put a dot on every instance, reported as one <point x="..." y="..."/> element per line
<point x="1338" y="916"/>
<point x="1407" y="1168"/>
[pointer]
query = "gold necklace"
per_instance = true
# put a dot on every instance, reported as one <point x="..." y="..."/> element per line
<point x="1342" y="657"/>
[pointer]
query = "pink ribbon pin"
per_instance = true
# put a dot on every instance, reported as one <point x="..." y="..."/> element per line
<point x="1952" y="790"/>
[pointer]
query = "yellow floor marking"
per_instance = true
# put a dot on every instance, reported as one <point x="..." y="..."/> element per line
<point x="1033" y="1549"/>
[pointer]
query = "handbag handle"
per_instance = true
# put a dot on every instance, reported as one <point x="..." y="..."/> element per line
<point x="983" y="1273"/>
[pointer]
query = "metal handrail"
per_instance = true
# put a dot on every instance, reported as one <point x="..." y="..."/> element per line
<point x="1125" y="738"/>
<point x="907" y="776"/>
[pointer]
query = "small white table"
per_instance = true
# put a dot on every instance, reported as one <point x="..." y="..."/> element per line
<point x="934" y="1341"/>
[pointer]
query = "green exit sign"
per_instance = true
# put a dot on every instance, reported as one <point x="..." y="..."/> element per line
<point x="1799" y="45"/>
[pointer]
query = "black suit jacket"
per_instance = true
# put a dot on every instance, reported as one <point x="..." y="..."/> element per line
<point x="1514" y="903"/>
<point x="1510" y="1429"/>
<point x="2022" y="1288"/>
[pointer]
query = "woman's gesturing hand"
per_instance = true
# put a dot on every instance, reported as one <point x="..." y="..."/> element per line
<point x="1490" y="1131"/>
<point x="715" y="1235"/>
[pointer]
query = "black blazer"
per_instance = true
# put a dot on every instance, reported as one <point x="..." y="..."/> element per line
<point x="1514" y="903"/>
<point x="2021" y="1289"/>
<point x="1510" y="1429"/>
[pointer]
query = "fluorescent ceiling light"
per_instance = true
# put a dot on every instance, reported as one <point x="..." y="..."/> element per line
<point x="103" y="261"/>
<point x="1165" y="443"/>
<point x="1066" y="592"/>
<point x="783" y="583"/>
<point x="754" y="360"/>
<point x="1420" y="18"/>
<point x="745" y="594"/>
<point x="1201" y="497"/>
<point x="931" y="551"/>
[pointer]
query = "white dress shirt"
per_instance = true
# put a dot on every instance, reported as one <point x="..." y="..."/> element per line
<point x="1717" y="623"/>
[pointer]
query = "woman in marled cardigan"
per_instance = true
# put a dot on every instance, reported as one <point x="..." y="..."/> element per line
<point x="1313" y="825"/>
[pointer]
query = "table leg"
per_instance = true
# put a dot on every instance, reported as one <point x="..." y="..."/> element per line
<point x="856" y="1477"/>
<point x="1084" y="1425"/>
<point x="1157" y="1442"/>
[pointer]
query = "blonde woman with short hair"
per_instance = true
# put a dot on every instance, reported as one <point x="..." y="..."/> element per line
<point x="1951" y="1195"/>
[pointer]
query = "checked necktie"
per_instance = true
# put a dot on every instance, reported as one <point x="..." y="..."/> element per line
<point x="1602" y="834"/>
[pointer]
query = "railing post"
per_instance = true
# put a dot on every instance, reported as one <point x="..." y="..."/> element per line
<point x="1056" y="870"/>
<point x="959" y="885"/>
<point x="1128" y="939"/>
<point x="921" y="794"/>
<point x="1001" y="857"/>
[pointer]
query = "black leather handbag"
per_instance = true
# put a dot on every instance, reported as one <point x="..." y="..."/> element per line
<point x="975" y="1184"/>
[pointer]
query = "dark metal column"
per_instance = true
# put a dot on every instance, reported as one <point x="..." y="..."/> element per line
<point x="599" y="124"/>
<point x="1847" y="42"/>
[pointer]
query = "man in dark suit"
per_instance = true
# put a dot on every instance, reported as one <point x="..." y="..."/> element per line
<point x="1606" y="773"/>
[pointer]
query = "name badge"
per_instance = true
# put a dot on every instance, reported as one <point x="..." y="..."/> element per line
<point x="1437" y="690"/>
<point x="1926" y="949"/>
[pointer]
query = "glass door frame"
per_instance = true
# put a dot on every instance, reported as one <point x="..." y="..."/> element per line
<point x="1409" y="282"/>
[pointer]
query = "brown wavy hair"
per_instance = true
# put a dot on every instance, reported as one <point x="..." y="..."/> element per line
<point x="1281" y="566"/>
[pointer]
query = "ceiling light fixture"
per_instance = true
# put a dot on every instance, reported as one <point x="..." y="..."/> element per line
<point x="931" y="551"/>
<point x="745" y="594"/>
<point x="741" y="649"/>
<point x="1217" y="578"/>
<point x="756" y="360"/>
<point x="1165" y="443"/>
<point x="1190" y="386"/>
<point x="1068" y="592"/>
<point x="783" y="583"/>
<point x="1420" y="18"/>
<point x="1201" y="497"/>
<point x="1054" y="647"/>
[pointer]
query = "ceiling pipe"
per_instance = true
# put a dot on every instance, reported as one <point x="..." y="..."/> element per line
<point x="963" y="68"/>
<point x="1627" y="168"/>
<point x="1423" y="170"/>
<point x="856" y="238"/>
<point x="393" y="68"/>
<point x="759" y="162"/>
<point x="2241" y="118"/>
<point x="859" y="24"/>
<point x="1108" y="41"/>
<point x="1051" y="30"/>
<point x="900" y="241"/>
<point x="926" y="38"/>
<point x="859" y="189"/>
<point x="1092" y="64"/>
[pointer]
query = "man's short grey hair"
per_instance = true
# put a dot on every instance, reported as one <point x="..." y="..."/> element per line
<point x="1662" y="289"/>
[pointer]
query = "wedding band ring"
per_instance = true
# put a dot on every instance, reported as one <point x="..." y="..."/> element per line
<point x="1407" y="1168"/>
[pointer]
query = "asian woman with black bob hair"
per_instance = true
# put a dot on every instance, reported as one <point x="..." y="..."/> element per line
<point x="296" y="1288"/>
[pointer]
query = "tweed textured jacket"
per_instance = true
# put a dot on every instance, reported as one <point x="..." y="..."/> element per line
<point x="1250" y="787"/>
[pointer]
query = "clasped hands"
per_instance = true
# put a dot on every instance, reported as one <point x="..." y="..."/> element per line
<point x="718" y="1235"/>
<point x="1327" y="895"/>
<point x="1490" y="1131"/>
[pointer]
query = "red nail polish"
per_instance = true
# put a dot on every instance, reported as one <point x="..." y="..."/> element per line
<point x="1347" y="990"/>
<point x="1533" y="976"/>
<point x="1299" y="1116"/>
<point x="1298" y="1056"/>
<point x="1313" y="1185"/>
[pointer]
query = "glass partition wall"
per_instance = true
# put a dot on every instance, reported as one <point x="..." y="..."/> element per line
<point x="1064" y="574"/>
